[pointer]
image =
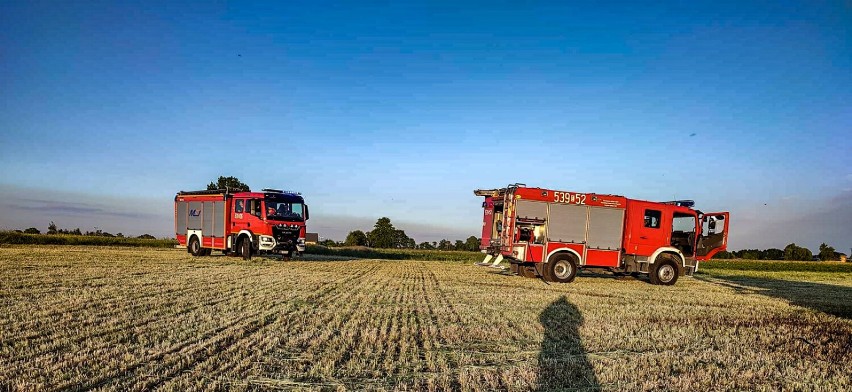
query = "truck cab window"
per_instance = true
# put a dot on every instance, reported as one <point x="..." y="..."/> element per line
<point x="652" y="219"/>
<point x="238" y="206"/>
<point x="253" y="207"/>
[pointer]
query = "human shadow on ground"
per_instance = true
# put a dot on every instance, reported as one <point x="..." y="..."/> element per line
<point x="562" y="360"/>
<point x="831" y="299"/>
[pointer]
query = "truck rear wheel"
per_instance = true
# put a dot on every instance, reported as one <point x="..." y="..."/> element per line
<point x="195" y="247"/>
<point x="245" y="249"/>
<point x="664" y="271"/>
<point x="561" y="268"/>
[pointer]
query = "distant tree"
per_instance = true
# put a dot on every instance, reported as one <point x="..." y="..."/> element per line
<point x="119" y="235"/>
<point x="827" y="253"/>
<point x="459" y="245"/>
<point x="76" y="231"/>
<point x="401" y="240"/>
<point x="445" y="245"/>
<point x="425" y="245"/>
<point x="750" y="254"/>
<point x="32" y="230"/>
<point x="472" y="244"/>
<point x="147" y="237"/>
<point x="328" y="243"/>
<point x="383" y="235"/>
<point x="773" y="254"/>
<point x="794" y="252"/>
<point x="232" y="183"/>
<point x="51" y="229"/>
<point x="724" y="255"/>
<point x="355" y="238"/>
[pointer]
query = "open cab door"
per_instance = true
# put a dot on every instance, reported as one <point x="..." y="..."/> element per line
<point x="713" y="237"/>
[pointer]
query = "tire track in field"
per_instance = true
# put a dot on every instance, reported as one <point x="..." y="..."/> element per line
<point x="121" y="322"/>
<point x="168" y="312"/>
<point x="100" y="350"/>
<point x="256" y="347"/>
<point x="250" y="338"/>
<point x="196" y="352"/>
<point x="330" y="334"/>
<point x="116" y="300"/>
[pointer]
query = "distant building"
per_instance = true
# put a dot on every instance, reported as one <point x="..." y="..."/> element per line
<point x="311" y="238"/>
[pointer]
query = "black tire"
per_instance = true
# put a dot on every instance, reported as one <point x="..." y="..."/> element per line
<point x="195" y="247"/>
<point x="665" y="271"/>
<point x="245" y="249"/>
<point x="527" y="271"/>
<point x="561" y="268"/>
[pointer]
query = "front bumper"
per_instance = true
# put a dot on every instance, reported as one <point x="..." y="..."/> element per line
<point x="269" y="243"/>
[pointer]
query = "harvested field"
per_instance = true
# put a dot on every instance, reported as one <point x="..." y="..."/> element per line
<point x="143" y="319"/>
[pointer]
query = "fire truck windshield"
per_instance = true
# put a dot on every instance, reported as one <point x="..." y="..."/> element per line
<point x="284" y="210"/>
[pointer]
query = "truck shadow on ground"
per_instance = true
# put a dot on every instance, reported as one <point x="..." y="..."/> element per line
<point x="827" y="298"/>
<point x="562" y="360"/>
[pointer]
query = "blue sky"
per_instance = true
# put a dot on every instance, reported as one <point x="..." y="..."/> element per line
<point x="401" y="109"/>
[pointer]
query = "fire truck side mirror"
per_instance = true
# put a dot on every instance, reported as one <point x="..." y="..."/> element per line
<point x="307" y="213"/>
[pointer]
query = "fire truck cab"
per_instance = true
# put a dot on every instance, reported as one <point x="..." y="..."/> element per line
<point x="551" y="234"/>
<point x="241" y="223"/>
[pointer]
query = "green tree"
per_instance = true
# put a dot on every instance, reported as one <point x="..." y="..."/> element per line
<point x="32" y="230"/>
<point x="794" y="252"/>
<point x="425" y="245"/>
<point x="826" y="252"/>
<point x="401" y="240"/>
<point x="231" y="183"/>
<point x="51" y="229"/>
<point x="355" y="238"/>
<point x="383" y="234"/>
<point x="472" y="244"/>
<point x="724" y="255"/>
<point x="445" y="245"/>
<point x="459" y="245"/>
<point x="773" y="254"/>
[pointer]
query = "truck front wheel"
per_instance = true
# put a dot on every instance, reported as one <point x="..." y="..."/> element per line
<point x="561" y="268"/>
<point x="195" y="247"/>
<point x="664" y="271"/>
<point x="245" y="249"/>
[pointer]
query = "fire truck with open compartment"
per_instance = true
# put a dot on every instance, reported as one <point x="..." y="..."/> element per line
<point x="241" y="223"/>
<point x="551" y="234"/>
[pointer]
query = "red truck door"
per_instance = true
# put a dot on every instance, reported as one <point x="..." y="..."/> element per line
<point x="649" y="227"/>
<point x="247" y="215"/>
<point x="714" y="235"/>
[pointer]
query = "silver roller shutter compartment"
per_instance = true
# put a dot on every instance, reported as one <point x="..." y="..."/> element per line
<point x="193" y="220"/>
<point x="567" y="223"/>
<point x="180" y="227"/>
<point x="219" y="219"/>
<point x="208" y="218"/>
<point x="531" y="209"/>
<point x="605" y="228"/>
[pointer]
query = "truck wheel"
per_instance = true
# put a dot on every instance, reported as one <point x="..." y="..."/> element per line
<point x="245" y="249"/>
<point x="527" y="271"/>
<point x="561" y="268"/>
<point x="195" y="247"/>
<point x="664" y="271"/>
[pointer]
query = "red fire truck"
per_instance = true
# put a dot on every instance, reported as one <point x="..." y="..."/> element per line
<point x="550" y="234"/>
<point x="241" y="223"/>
